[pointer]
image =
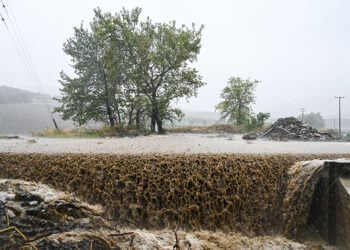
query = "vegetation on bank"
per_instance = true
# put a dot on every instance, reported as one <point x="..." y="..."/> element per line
<point x="119" y="131"/>
<point x="105" y="131"/>
<point x="213" y="129"/>
<point x="236" y="106"/>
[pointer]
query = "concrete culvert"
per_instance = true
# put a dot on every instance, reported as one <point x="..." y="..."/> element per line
<point x="317" y="202"/>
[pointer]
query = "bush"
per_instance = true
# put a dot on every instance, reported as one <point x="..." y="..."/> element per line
<point x="104" y="131"/>
<point x="215" y="128"/>
<point x="347" y="137"/>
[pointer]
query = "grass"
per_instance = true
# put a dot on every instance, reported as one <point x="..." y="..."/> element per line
<point x="105" y="131"/>
<point x="66" y="133"/>
<point x="108" y="131"/>
<point x="211" y="129"/>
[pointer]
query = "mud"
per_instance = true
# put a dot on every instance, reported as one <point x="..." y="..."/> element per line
<point x="172" y="143"/>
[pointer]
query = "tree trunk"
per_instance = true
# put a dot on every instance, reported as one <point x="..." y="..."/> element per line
<point x="118" y="114"/>
<point x="138" y="119"/>
<point x="110" y="116"/>
<point x="130" y="114"/>
<point x="159" y="125"/>
<point x="107" y="101"/>
<point x="153" y="124"/>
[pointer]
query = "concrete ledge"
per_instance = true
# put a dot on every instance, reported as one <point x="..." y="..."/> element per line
<point x="342" y="213"/>
<point x="339" y="203"/>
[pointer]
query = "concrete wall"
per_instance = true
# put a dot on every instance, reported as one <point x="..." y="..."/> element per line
<point x="342" y="213"/>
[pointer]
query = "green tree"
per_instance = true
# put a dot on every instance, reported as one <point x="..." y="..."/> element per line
<point x="238" y="96"/>
<point x="89" y="95"/>
<point x="126" y="69"/>
<point x="313" y="119"/>
<point x="162" y="56"/>
<point x="118" y="32"/>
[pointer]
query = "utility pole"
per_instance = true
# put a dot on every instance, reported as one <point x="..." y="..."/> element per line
<point x="302" y="114"/>
<point x="339" y="98"/>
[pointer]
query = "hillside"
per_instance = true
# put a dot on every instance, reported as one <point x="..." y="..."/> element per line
<point x="22" y="112"/>
<point x="9" y="95"/>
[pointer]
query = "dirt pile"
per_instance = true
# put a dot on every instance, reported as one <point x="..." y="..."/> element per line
<point x="36" y="216"/>
<point x="291" y="128"/>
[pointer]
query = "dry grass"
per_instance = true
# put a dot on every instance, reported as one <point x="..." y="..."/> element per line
<point x="215" y="128"/>
<point x="83" y="132"/>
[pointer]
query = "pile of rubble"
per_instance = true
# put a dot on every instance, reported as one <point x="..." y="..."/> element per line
<point x="34" y="216"/>
<point x="291" y="128"/>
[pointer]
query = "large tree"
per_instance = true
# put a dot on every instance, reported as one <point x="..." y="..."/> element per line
<point x="127" y="69"/>
<point x="165" y="52"/>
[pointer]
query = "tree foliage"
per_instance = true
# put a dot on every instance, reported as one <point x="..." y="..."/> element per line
<point x="255" y="122"/>
<point x="313" y="119"/>
<point x="128" y="71"/>
<point x="238" y="96"/>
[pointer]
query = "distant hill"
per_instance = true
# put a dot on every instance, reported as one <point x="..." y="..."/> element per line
<point x="22" y="112"/>
<point x="9" y="95"/>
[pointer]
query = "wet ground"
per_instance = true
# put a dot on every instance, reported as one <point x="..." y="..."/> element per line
<point x="171" y="143"/>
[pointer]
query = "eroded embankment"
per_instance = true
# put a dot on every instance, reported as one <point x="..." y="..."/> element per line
<point x="241" y="193"/>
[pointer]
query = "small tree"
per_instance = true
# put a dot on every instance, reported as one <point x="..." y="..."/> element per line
<point x="238" y="97"/>
<point x="256" y="122"/>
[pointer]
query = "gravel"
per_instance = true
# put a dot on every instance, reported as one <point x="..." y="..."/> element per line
<point x="170" y="143"/>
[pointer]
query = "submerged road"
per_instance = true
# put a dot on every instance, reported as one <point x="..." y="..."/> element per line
<point x="171" y="143"/>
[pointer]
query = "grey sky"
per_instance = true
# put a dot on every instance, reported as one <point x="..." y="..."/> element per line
<point x="298" y="49"/>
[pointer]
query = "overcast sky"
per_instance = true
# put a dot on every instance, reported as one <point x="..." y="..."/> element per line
<point x="298" y="49"/>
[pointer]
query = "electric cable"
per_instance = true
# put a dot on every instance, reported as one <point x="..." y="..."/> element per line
<point x="23" y="52"/>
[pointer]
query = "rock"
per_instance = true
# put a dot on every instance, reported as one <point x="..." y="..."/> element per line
<point x="49" y="223"/>
<point x="9" y="137"/>
<point x="33" y="203"/>
<point x="250" y="136"/>
<point x="24" y="196"/>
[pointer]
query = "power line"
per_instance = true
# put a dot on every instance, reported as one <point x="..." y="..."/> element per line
<point x="18" y="50"/>
<point x="3" y="20"/>
<point x="3" y="6"/>
<point x="23" y="45"/>
<point x="23" y="52"/>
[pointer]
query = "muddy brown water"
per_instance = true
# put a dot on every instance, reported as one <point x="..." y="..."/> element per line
<point x="229" y="193"/>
